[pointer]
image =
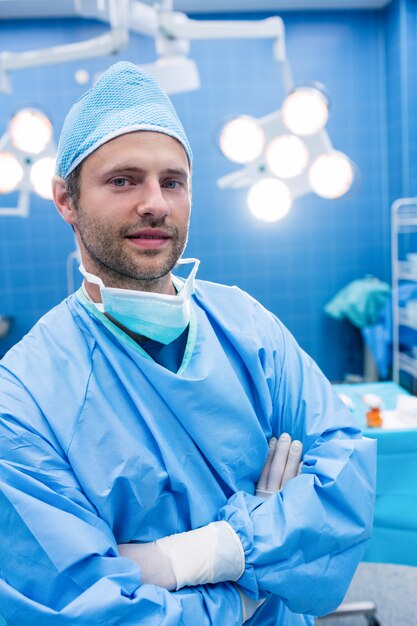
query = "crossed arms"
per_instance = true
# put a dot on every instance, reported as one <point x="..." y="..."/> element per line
<point x="60" y="563"/>
<point x="213" y="554"/>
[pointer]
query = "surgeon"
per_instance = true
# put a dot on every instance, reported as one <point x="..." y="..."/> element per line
<point x="151" y="426"/>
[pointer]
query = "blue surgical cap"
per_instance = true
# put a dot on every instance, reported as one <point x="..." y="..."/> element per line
<point x="124" y="99"/>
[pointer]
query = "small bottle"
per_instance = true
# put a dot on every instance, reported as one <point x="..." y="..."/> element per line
<point x="374" y="417"/>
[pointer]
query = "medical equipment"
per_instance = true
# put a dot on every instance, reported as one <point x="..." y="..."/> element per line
<point x="295" y="155"/>
<point x="117" y="14"/>
<point x="157" y="316"/>
<point x="281" y="166"/>
<point x="404" y="276"/>
<point x="374" y="406"/>
<point x="394" y="537"/>
<point x="27" y="159"/>
<point x="172" y="30"/>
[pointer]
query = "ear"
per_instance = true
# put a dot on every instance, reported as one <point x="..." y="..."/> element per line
<point x="62" y="202"/>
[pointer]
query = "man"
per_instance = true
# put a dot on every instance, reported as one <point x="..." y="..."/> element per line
<point x="136" y="415"/>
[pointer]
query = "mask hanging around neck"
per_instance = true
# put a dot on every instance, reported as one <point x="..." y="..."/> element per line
<point x="157" y="316"/>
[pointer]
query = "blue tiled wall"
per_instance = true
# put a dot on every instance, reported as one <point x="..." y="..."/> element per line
<point x="401" y="60"/>
<point x="295" y="266"/>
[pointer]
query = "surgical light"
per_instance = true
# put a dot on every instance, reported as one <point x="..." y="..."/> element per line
<point x="30" y="131"/>
<point x="287" y="156"/>
<point x="294" y="165"/>
<point x="11" y="172"/>
<point x="81" y="76"/>
<point x="331" y="175"/>
<point x="27" y="159"/>
<point x="41" y="174"/>
<point x="305" y="111"/>
<point x="269" y="199"/>
<point x="242" y="140"/>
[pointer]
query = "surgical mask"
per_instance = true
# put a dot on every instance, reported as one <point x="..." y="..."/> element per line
<point x="158" y="316"/>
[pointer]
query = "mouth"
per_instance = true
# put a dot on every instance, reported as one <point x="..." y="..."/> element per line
<point x="149" y="238"/>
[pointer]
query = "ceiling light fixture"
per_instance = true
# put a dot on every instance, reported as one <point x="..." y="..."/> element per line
<point x="296" y="150"/>
<point x="27" y="159"/>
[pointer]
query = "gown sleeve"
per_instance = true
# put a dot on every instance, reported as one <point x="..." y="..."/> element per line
<point x="59" y="562"/>
<point x="304" y="543"/>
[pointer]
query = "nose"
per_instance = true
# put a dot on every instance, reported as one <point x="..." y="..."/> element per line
<point x="152" y="200"/>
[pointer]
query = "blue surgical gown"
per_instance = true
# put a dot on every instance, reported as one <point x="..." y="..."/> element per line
<point x="100" y="445"/>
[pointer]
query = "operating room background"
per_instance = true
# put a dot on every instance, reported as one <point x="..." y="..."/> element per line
<point x="367" y="61"/>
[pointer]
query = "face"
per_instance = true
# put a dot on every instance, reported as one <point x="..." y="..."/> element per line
<point x="133" y="211"/>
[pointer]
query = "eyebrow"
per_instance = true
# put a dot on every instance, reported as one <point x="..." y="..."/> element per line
<point x="172" y="171"/>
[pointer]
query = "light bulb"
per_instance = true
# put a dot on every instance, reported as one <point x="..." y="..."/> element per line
<point x="41" y="174"/>
<point x="287" y="156"/>
<point x="305" y="111"/>
<point x="11" y="172"/>
<point x="331" y="175"/>
<point x="81" y="77"/>
<point x="30" y="131"/>
<point x="242" y="140"/>
<point x="269" y="199"/>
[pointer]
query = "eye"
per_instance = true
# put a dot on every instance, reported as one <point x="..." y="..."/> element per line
<point x="120" y="182"/>
<point x="172" y="184"/>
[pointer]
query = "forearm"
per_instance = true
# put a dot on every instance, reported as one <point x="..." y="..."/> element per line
<point x="60" y="562"/>
<point x="304" y="543"/>
<point x="100" y="588"/>
<point x="106" y="603"/>
<point x="308" y="539"/>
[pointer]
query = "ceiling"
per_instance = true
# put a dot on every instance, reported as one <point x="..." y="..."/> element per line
<point x="10" y="9"/>
<point x="195" y="6"/>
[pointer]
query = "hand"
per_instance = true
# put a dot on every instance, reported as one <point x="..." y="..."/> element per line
<point x="282" y="464"/>
<point x="210" y="554"/>
<point x="155" y="566"/>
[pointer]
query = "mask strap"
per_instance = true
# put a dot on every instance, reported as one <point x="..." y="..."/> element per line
<point x="189" y="282"/>
<point x="91" y="277"/>
<point x="95" y="280"/>
<point x="188" y="260"/>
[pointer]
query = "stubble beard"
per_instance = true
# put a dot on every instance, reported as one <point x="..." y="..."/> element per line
<point x="109" y="253"/>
